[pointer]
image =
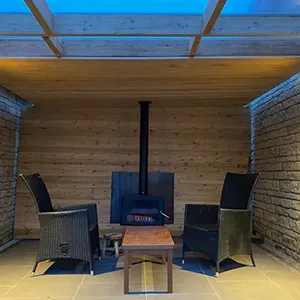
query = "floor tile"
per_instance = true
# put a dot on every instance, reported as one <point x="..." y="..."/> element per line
<point x="4" y="290"/>
<point x="250" y="291"/>
<point x="233" y="270"/>
<point x="268" y="263"/>
<point x="182" y="283"/>
<point x="121" y="297"/>
<point x="258" y="249"/>
<point x="46" y="286"/>
<point x="288" y="281"/>
<point x="40" y="298"/>
<point x="17" y="259"/>
<point x="10" y="275"/>
<point x="27" y="246"/>
<point x="190" y="265"/>
<point x="250" y="274"/>
<point x="62" y="279"/>
<point x="182" y="297"/>
<point x="87" y="290"/>
<point x="110" y="276"/>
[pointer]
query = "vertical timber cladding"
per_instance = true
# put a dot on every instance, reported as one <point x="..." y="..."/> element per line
<point x="77" y="150"/>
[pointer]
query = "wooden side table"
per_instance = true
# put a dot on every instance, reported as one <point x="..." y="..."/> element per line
<point x="155" y="240"/>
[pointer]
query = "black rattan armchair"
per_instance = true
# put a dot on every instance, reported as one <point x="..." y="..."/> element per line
<point x="221" y="231"/>
<point x="65" y="231"/>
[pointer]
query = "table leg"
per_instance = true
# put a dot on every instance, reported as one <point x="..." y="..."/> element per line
<point x="126" y="272"/>
<point x="129" y="260"/>
<point x="164" y="259"/>
<point x="170" y="271"/>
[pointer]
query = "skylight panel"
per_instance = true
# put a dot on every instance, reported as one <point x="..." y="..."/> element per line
<point x="13" y="6"/>
<point x="261" y="7"/>
<point x="129" y="6"/>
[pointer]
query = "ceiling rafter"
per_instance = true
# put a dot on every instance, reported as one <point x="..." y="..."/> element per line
<point x="210" y="16"/>
<point x="42" y="13"/>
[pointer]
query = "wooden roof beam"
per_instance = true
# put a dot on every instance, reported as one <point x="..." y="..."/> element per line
<point x="151" y="25"/>
<point x="131" y="49"/>
<point x="210" y="16"/>
<point x="44" y="16"/>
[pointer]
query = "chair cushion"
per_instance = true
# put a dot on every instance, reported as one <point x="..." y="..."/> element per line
<point x="114" y="236"/>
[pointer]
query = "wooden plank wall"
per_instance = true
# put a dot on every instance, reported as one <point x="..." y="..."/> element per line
<point x="76" y="149"/>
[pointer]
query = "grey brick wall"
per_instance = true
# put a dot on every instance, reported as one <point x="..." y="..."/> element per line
<point x="275" y="145"/>
<point x="10" y="109"/>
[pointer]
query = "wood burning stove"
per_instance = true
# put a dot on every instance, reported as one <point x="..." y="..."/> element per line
<point x="143" y="209"/>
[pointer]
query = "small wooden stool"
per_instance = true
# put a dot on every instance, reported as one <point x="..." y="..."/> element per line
<point x="115" y="239"/>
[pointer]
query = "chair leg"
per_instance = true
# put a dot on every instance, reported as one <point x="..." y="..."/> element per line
<point x="34" y="269"/>
<point x="104" y="247"/>
<point x="116" y="246"/>
<point x="217" y="269"/>
<point x="252" y="259"/>
<point x="91" y="268"/>
<point x="183" y="253"/>
<point x="99" y="251"/>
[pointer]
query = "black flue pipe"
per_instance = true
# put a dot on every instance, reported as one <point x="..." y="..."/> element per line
<point x="144" y="141"/>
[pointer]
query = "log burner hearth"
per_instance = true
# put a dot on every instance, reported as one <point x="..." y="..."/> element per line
<point x="143" y="209"/>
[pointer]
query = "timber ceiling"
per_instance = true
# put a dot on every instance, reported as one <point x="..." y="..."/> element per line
<point x="91" y="58"/>
<point x="223" y="81"/>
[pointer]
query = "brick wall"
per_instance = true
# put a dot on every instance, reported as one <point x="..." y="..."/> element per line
<point x="275" y="122"/>
<point x="10" y="108"/>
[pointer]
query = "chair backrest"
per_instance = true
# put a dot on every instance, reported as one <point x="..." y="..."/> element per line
<point x="38" y="191"/>
<point x="237" y="190"/>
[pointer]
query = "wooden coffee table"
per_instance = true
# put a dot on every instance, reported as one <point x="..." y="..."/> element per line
<point x="155" y="240"/>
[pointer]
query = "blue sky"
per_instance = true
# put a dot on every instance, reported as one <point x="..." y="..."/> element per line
<point x="156" y="6"/>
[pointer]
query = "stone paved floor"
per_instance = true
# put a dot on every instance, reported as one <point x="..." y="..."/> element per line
<point x="69" y="280"/>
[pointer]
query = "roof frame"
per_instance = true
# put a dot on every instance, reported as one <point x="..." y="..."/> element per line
<point x="210" y="16"/>
<point x="262" y="47"/>
<point x="88" y="25"/>
<point x="43" y="23"/>
<point x="42" y="13"/>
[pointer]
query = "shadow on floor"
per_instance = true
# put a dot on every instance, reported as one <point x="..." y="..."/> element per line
<point x="72" y="266"/>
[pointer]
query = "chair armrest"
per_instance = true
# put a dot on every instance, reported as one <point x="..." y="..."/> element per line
<point x="197" y="214"/>
<point x="234" y="218"/>
<point x="90" y="207"/>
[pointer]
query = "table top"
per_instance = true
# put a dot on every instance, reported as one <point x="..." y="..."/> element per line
<point x="147" y="237"/>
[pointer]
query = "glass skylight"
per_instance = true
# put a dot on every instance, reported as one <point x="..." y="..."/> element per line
<point x="262" y="7"/>
<point x="13" y="6"/>
<point x="157" y="6"/>
<point x="128" y="6"/>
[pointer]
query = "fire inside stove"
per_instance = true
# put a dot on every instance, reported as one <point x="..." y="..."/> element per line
<point x="142" y="210"/>
<point x="142" y="215"/>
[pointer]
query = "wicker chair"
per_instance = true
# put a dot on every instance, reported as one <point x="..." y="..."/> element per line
<point x="222" y="231"/>
<point x="65" y="231"/>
